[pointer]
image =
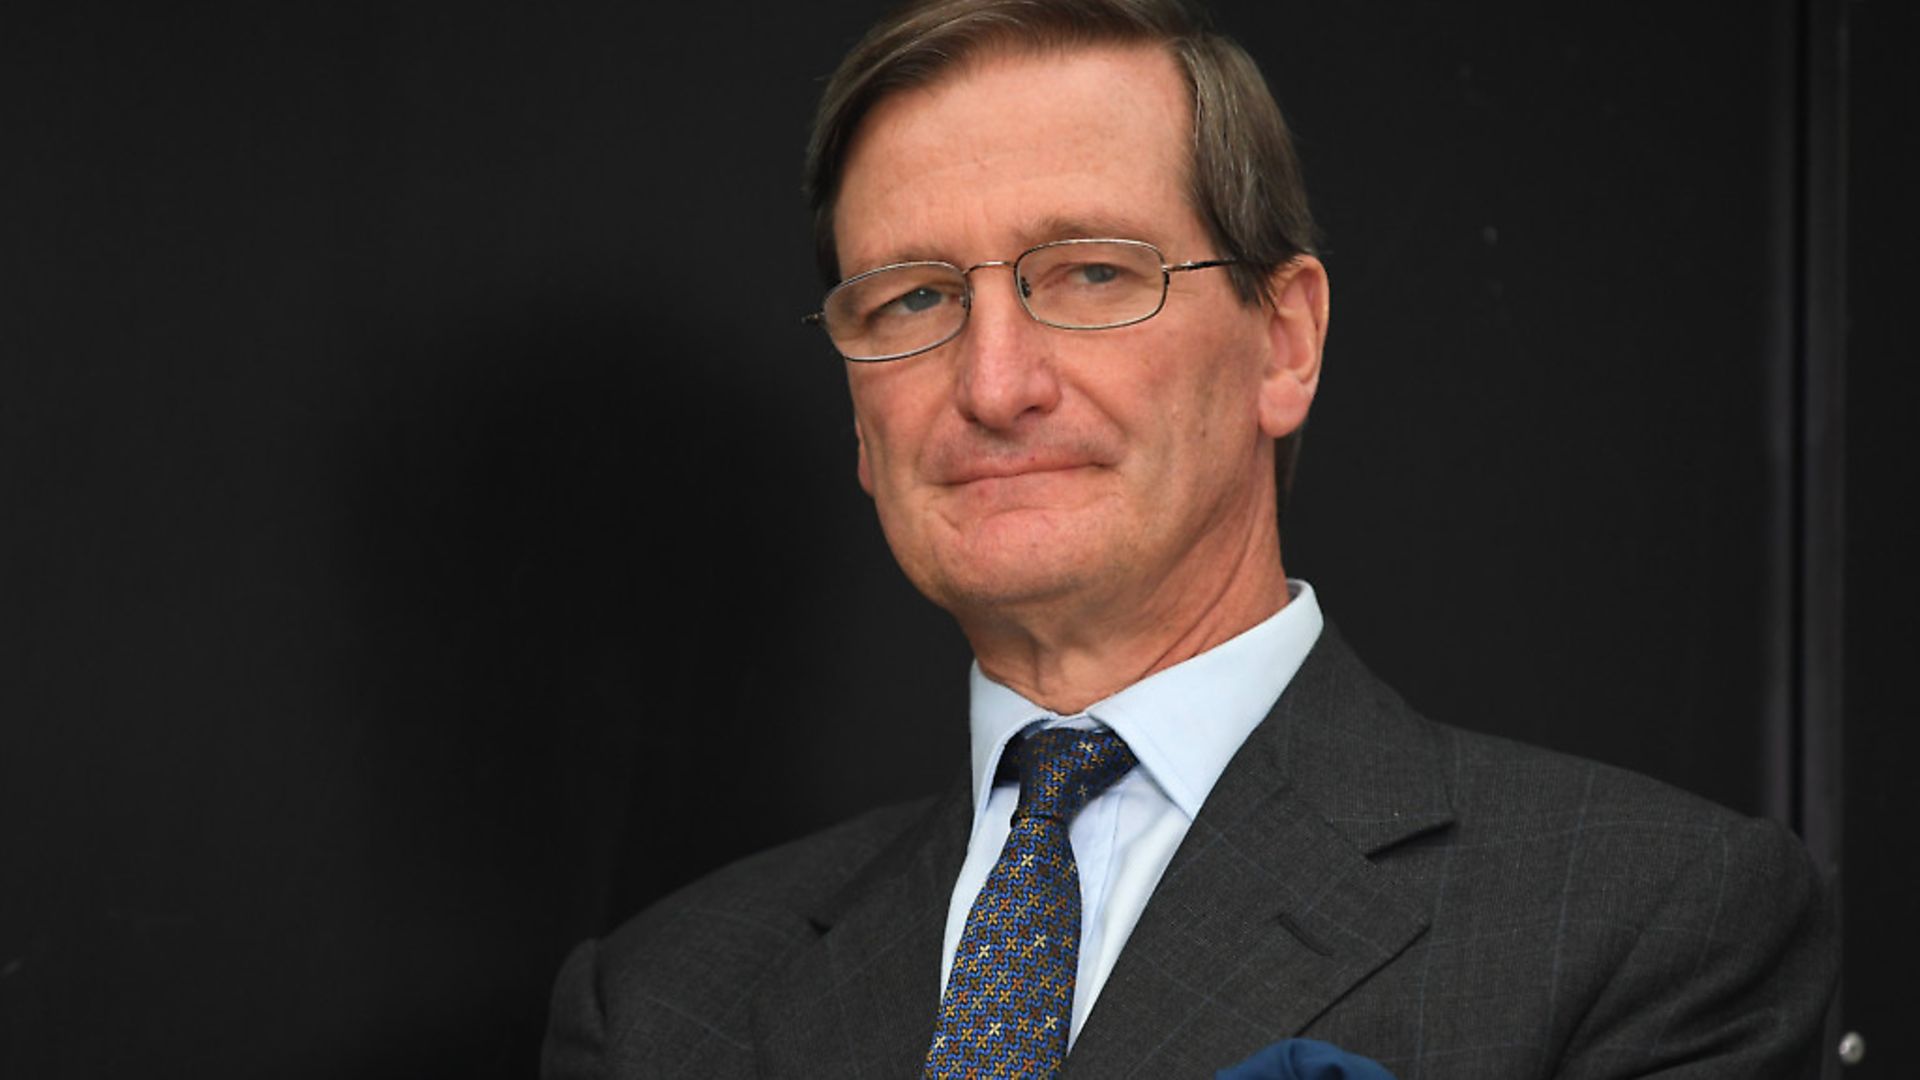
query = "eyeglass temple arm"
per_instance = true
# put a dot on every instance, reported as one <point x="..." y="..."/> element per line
<point x="1201" y="265"/>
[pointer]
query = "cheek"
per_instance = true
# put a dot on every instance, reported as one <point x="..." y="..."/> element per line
<point x="891" y="417"/>
<point x="1199" y="392"/>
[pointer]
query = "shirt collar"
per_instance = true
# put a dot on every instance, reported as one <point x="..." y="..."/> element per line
<point x="1183" y="723"/>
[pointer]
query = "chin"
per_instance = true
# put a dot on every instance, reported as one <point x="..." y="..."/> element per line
<point x="1007" y="580"/>
<point x="1002" y="593"/>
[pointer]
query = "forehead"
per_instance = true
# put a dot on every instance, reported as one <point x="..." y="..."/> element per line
<point x="1010" y="148"/>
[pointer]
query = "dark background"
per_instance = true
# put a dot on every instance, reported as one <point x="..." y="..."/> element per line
<point x="429" y="534"/>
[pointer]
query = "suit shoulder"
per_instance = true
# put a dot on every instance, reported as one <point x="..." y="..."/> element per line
<point x="1499" y="777"/>
<point x="1362" y="753"/>
<point x="763" y="898"/>
<point x="1618" y="831"/>
<point x="667" y="992"/>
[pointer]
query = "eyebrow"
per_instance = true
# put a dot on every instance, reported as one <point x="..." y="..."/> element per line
<point x="1039" y="231"/>
<point x="895" y="258"/>
<point x="1082" y="228"/>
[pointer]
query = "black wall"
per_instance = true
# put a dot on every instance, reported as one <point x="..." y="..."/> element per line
<point x="429" y="533"/>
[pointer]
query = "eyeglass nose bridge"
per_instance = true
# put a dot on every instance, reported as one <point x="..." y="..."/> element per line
<point x="1022" y="289"/>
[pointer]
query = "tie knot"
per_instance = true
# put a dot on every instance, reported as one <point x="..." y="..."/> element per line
<point x="1061" y="770"/>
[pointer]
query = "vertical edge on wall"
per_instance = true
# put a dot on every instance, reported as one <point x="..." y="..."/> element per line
<point x="1805" y="438"/>
<point x="1780" y="367"/>
<point x="1819" y="441"/>
<point x="1822" y="437"/>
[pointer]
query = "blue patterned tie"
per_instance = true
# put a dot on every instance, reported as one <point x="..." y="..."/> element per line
<point x="1010" y="994"/>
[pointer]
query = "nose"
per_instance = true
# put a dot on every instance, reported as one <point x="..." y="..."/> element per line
<point x="1005" y="363"/>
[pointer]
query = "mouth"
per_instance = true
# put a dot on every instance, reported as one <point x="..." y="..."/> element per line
<point x="1012" y="469"/>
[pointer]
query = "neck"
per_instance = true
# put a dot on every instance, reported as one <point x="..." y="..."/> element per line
<point x="1067" y="656"/>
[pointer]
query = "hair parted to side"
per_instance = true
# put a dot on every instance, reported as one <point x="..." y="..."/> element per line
<point x="1245" y="179"/>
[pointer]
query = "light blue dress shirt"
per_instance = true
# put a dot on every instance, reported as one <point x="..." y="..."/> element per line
<point x="1184" y="724"/>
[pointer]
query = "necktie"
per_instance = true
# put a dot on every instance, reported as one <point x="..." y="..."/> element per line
<point x="1010" y="994"/>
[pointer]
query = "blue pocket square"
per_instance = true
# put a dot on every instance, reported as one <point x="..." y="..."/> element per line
<point x="1305" y="1059"/>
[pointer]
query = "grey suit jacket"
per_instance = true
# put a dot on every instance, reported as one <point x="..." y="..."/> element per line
<point x="1449" y="904"/>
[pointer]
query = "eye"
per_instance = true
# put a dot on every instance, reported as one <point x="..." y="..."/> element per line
<point x="907" y="296"/>
<point x="913" y="302"/>
<point x="1096" y="273"/>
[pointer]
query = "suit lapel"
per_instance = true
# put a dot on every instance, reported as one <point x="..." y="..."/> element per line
<point x="1272" y="909"/>
<point x="859" y="1001"/>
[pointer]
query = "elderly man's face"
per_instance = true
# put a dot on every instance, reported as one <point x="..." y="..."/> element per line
<point x="1021" y="466"/>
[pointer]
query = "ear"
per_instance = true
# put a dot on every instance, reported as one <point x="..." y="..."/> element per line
<point x="1297" y="333"/>
<point x="862" y="469"/>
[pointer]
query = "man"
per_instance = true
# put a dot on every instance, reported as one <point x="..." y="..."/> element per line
<point x="1076" y="294"/>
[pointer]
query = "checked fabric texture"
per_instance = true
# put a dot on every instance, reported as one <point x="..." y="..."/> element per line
<point x="1010" y="995"/>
